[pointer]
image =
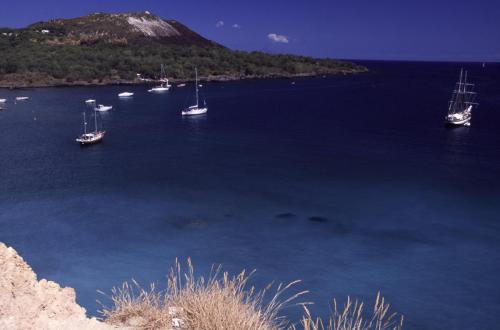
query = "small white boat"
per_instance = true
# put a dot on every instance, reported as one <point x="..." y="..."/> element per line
<point x="3" y="100"/>
<point x="22" y="98"/>
<point x="195" y="109"/>
<point x="126" y="94"/>
<point x="159" y="89"/>
<point x="103" y="108"/>
<point x="181" y="85"/>
<point x="89" y="101"/>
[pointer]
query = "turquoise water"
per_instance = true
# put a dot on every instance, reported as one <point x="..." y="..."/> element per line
<point x="349" y="183"/>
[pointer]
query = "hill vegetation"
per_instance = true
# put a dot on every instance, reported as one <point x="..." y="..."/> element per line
<point x="108" y="48"/>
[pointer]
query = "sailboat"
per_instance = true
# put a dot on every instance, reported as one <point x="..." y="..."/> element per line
<point x="461" y="103"/>
<point x="164" y="86"/>
<point x="195" y="109"/>
<point x="90" y="137"/>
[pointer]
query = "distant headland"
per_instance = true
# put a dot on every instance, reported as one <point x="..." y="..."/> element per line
<point x="102" y="49"/>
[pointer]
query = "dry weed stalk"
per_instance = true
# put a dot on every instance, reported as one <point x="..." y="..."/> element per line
<point x="351" y="317"/>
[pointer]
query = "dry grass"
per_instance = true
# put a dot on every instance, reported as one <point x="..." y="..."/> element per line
<point x="224" y="302"/>
<point x="351" y="317"/>
<point x="219" y="302"/>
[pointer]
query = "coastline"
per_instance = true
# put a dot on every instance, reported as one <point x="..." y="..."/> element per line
<point x="19" y="81"/>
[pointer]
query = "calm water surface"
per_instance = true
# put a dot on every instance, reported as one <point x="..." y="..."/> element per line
<point x="348" y="183"/>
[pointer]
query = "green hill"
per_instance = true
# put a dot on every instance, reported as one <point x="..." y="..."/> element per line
<point x="113" y="48"/>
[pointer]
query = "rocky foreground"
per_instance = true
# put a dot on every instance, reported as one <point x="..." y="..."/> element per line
<point x="26" y="303"/>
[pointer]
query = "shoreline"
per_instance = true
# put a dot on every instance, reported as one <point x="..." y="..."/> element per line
<point x="221" y="78"/>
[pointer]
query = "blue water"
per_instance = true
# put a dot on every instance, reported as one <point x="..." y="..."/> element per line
<point x="349" y="183"/>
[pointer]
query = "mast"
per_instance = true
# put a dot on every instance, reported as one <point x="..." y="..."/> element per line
<point x="465" y="81"/>
<point x="84" y="124"/>
<point x="95" y="120"/>
<point x="196" y="73"/>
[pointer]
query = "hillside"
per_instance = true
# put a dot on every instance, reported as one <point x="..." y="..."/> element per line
<point x="113" y="48"/>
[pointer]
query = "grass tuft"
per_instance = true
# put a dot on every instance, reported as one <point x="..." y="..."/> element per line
<point x="351" y="317"/>
<point x="218" y="302"/>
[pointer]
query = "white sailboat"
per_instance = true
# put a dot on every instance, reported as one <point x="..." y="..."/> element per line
<point x="461" y="103"/>
<point x="3" y="100"/>
<point x="90" y="101"/>
<point x="195" y="109"/>
<point x="164" y="86"/>
<point x="90" y="137"/>
<point x="22" y="98"/>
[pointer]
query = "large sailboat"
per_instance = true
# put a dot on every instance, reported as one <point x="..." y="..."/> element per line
<point x="196" y="109"/>
<point x="164" y="85"/>
<point x="461" y="103"/>
<point x="90" y="137"/>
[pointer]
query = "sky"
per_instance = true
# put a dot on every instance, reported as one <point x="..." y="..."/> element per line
<point x="437" y="30"/>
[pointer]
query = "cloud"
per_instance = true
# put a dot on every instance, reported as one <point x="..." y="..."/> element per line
<point x="236" y="26"/>
<point x="219" y="24"/>
<point x="278" y="38"/>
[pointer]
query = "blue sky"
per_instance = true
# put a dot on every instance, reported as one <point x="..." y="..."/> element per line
<point x="357" y="29"/>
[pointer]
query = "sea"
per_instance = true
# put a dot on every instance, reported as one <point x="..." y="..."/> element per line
<point x="349" y="183"/>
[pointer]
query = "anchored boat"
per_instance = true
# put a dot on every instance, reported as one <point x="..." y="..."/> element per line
<point x="88" y="138"/>
<point x="196" y="109"/>
<point x="164" y="85"/>
<point x="103" y="108"/>
<point x="126" y="94"/>
<point x="461" y="103"/>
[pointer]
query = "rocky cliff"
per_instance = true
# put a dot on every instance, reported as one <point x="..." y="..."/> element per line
<point x="29" y="304"/>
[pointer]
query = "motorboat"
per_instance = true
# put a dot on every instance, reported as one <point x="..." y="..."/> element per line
<point x="103" y="108"/>
<point x="126" y="94"/>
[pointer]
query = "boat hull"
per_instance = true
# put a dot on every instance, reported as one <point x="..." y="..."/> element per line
<point x="193" y="112"/>
<point x="159" y="89"/>
<point x="457" y="121"/>
<point x="103" y="108"/>
<point x="126" y="94"/>
<point x="90" y="138"/>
